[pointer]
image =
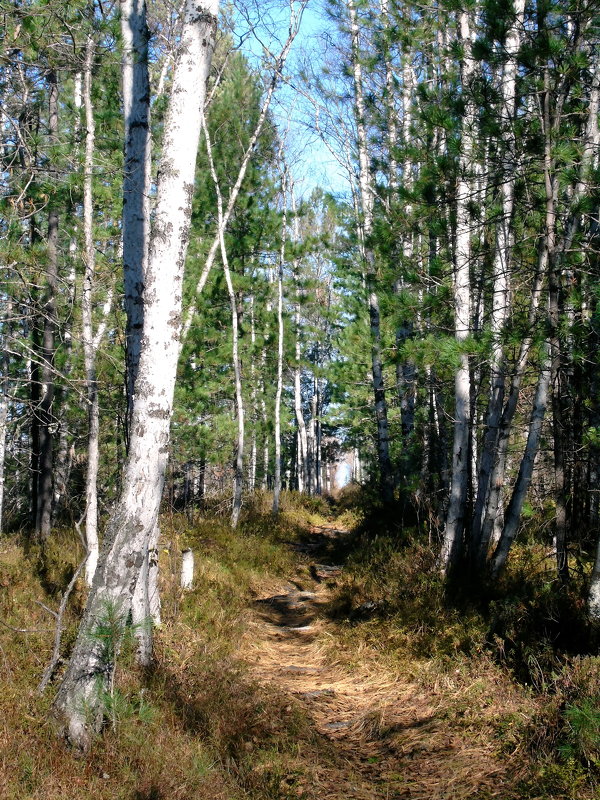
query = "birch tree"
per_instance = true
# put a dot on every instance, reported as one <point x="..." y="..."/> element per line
<point x="91" y="338"/>
<point x="457" y="509"/>
<point x="367" y="197"/>
<point x="79" y="700"/>
<point x="237" y="367"/>
<point x="280" y="335"/>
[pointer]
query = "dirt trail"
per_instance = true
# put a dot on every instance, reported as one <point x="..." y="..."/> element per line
<point x="388" y="737"/>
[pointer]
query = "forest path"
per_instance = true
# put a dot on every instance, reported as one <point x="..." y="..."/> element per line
<point x="389" y="738"/>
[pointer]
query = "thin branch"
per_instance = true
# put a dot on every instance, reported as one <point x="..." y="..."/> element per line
<point x="49" y="671"/>
<point x="277" y="73"/>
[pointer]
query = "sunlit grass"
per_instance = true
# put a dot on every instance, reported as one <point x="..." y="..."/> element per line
<point x="200" y="726"/>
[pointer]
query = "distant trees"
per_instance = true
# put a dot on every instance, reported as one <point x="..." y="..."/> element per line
<point x="453" y="126"/>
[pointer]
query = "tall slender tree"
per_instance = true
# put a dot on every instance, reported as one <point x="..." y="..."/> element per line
<point x="79" y="699"/>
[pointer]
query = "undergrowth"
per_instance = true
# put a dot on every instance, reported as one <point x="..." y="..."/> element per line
<point x="196" y="726"/>
<point x="517" y="656"/>
<point x="502" y="668"/>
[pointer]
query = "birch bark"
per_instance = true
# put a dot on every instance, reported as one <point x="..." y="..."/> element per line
<point x="252" y="475"/>
<point x="367" y="198"/>
<point x="89" y="355"/>
<point x="91" y="341"/>
<point x="79" y="700"/>
<point x="501" y="277"/>
<point x="136" y="232"/>
<point x="237" y="366"/>
<point x="456" y="515"/>
<point x="4" y="398"/>
<point x="277" y="484"/>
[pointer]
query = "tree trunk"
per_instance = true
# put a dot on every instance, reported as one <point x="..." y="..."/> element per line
<point x="312" y="444"/>
<point x="237" y="366"/>
<point x="79" y="701"/>
<point x="4" y="398"/>
<point x="252" y="474"/>
<point x="319" y="438"/>
<point x="91" y="487"/>
<point x="43" y="520"/>
<point x="136" y="181"/>
<point x="145" y="604"/>
<point x="498" y="476"/>
<point x="501" y="289"/>
<point x="277" y="486"/>
<point x="367" y="208"/>
<point x="513" y="512"/>
<point x="457" y="510"/>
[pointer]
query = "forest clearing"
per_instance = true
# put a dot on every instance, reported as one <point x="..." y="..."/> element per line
<point x="300" y="399"/>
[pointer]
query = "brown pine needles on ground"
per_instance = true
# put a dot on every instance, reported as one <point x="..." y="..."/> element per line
<point x="270" y="685"/>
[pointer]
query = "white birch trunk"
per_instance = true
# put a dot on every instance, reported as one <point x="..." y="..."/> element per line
<point x="79" y="703"/>
<point x="137" y="181"/>
<point x="367" y="206"/>
<point x="455" y="518"/>
<point x="145" y="603"/>
<point x="4" y="399"/>
<point x="277" y="485"/>
<point x="252" y="475"/>
<point x="319" y="439"/>
<point x="237" y="367"/>
<point x="501" y="276"/>
<point x="312" y="445"/>
<point x="89" y="350"/>
<point x="263" y="405"/>
<point x="3" y="432"/>
<point x="187" y="569"/>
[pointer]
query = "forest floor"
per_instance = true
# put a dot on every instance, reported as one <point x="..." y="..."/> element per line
<point x="311" y="661"/>
<point x="391" y="737"/>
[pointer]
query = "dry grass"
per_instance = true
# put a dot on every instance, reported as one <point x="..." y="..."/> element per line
<point x="395" y="733"/>
<point x="271" y="684"/>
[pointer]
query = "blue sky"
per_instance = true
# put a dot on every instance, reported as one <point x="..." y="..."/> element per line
<point x="311" y="162"/>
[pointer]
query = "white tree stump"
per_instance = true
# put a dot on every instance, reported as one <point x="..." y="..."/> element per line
<point x="187" y="569"/>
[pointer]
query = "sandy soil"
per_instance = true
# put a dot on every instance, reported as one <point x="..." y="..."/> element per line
<point x="390" y="739"/>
